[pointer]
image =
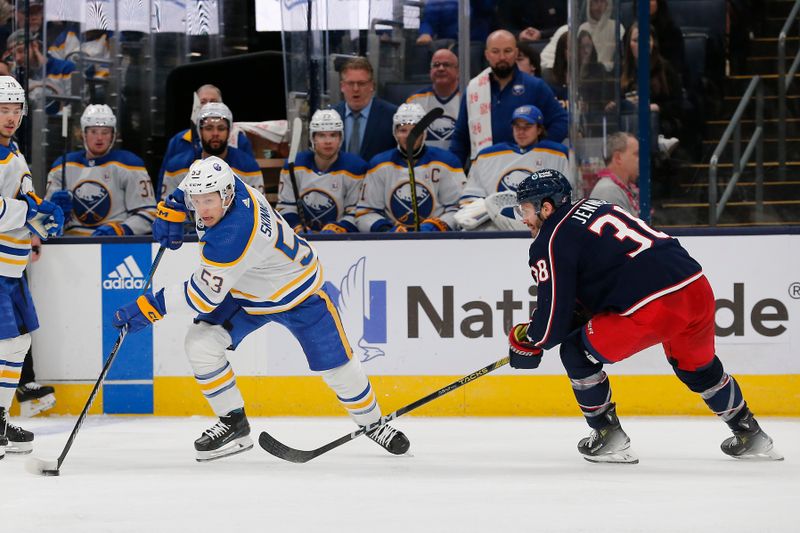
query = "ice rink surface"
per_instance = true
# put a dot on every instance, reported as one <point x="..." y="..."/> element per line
<point x="475" y="474"/>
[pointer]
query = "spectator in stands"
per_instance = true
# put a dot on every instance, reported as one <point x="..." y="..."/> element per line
<point x="442" y="93"/>
<point x="670" y="37"/>
<point x="603" y="30"/>
<point x="528" y="60"/>
<point x="440" y="20"/>
<point x="593" y="88"/>
<point x="188" y="140"/>
<point x="498" y="170"/>
<point x="666" y="93"/>
<point x="214" y="123"/>
<point x="531" y="20"/>
<point x="617" y="182"/>
<point x="492" y="96"/>
<point x="548" y="53"/>
<point x="102" y="191"/>
<point x="54" y="81"/>
<point x="367" y="118"/>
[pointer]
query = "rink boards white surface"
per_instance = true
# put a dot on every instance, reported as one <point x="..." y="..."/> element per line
<point x="484" y="475"/>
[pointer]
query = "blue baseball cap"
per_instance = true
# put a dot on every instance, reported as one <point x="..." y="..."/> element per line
<point x="528" y="113"/>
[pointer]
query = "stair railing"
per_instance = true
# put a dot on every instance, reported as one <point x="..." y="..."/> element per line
<point x="740" y="160"/>
<point x="784" y="81"/>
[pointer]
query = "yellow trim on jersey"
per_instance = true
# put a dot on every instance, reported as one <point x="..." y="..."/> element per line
<point x="295" y="282"/>
<point x="342" y="335"/>
<point x="15" y="241"/>
<point x="175" y="172"/>
<point x="256" y="211"/>
<point x="227" y="376"/>
<point x="244" y="295"/>
<point x="248" y="174"/>
<point x="14" y="261"/>
<point x="333" y="173"/>
<point x="549" y="151"/>
<point x="395" y="165"/>
<point x="291" y="305"/>
<point x="187" y="136"/>
<point x="419" y="95"/>
<point x="362" y="404"/>
<point x="503" y="152"/>
<point x="115" y="163"/>
<point x="198" y="301"/>
<point x="12" y="374"/>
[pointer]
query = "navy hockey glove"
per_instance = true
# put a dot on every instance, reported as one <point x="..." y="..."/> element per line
<point x="112" y="229"/>
<point x="433" y="224"/>
<point x="140" y="313"/>
<point x="168" y="225"/>
<point x="521" y="351"/>
<point x="63" y="199"/>
<point x="44" y="219"/>
<point x="342" y="226"/>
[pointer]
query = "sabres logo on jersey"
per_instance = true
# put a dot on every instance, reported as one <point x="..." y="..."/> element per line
<point x="320" y="208"/>
<point x="92" y="202"/>
<point x="442" y="128"/>
<point x="402" y="208"/>
<point x="510" y="180"/>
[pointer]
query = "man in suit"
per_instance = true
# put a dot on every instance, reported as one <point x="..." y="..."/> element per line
<point x="367" y="118"/>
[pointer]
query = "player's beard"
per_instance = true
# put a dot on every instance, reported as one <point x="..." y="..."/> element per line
<point x="211" y="150"/>
<point x="502" y="70"/>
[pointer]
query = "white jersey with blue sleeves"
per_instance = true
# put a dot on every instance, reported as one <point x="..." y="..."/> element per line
<point x="15" y="238"/>
<point x="501" y="167"/>
<point x="253" y="254"/>
<point x="328" y="196"/>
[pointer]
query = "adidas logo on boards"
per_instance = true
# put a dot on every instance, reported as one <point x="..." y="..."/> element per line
<point x="127" y="275"/>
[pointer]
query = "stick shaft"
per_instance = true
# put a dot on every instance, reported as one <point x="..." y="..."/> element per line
<point x="297" y="130"/>
<point x="416" y="132"/>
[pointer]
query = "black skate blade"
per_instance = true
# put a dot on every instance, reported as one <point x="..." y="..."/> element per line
<point x="235" y="447"/>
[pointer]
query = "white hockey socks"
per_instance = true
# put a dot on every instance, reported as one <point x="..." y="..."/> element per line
<point x="354" y="391"/>
<point x="205" y="347"/>
<point x="12" y="354"/>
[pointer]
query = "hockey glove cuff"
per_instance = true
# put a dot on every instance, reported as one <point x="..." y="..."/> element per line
<point x="168" y="225"/>
<point x="522" y="352"/>
<point x="142" y="312"/>
<point x="47" y="219"/>
<point x="112" y="229"/>
<point x="434" y="224"/>
<point x="342" y="226"/>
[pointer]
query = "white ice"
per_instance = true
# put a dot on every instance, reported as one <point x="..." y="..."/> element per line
<point x="464" y="474"/>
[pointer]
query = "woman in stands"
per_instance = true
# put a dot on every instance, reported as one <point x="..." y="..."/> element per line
<point x="592" y="76"/>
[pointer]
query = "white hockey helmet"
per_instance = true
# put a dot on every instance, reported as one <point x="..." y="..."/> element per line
<point x="325" y="120"/>
<point x="100" y="116"/>
<point x="214" y="110"/>
<point x="11" y="92"/>
<point x="407" y="114"/>
<point x="211" y="174"/>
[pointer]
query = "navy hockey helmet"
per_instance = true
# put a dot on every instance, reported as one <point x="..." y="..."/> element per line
<point x="547" y="184"/>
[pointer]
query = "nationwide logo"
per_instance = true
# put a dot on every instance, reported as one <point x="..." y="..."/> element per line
<point x="126" y="275"/>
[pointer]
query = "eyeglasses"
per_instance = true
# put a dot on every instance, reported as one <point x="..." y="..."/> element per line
<point x="354" y="84"/>
<point x="442" y="64"/>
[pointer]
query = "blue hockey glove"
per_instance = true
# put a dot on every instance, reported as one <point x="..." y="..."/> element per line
<point x="63" y="199"/>
<point x="112" y="229"/>
<point x="140" y="313"/>
<point x="521" y="351"/>
<point x="342" y="226"/>
<point x="433" y="224"/>
<point x="168" y="225"/>
<point x="45" y="219"/>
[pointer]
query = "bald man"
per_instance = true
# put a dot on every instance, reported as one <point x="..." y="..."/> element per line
<point x="509" y="88"/>
<point x="442" y="93"/>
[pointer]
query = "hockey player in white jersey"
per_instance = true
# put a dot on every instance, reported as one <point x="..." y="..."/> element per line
<point x="22" y="215"/>
<point x="386" y="204"/>
<point x="443" y="92"/>
<point x="253" y="270"/>
<point x="214" y="123"/>
<point x="107" y="191"/>
<point x="328" y="180"/>
<point x="489" y="196"/>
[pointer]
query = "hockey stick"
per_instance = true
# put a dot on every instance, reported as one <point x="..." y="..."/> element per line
<point x="65" y="112"/>
<point x="51" y="467"/>
<point x="281" y="451"/>
<point x="416" y="132"/>
<point x="297" y="130"/>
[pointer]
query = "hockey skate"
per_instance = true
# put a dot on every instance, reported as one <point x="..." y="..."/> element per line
<point x="3" y="444"/>
<point x="392" y="440"/>
<point x="749" y="442"/>
<point x="19" y="440"/>
<point x="227" y="437"/>
<point x="609" y="444"/>
<point x="34" y="398"/>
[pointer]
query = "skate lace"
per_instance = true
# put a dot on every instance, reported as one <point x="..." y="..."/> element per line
<point x="383" y="435"/>
<point x="32" y="386"/>
<point x="217" y="430"/>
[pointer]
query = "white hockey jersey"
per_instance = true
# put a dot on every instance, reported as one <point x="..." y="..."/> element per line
<point x="386" y="193"/>
<point x="440" y="131"/>
<point x="112" y="188"/>
<point x="15" y="238"/>
<point x="501" y="167"/>
<point x="329" y="196"/>
<point x="253" y="254"/>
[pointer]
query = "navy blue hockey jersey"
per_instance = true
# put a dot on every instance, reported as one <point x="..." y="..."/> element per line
<point x="597" y="256"/>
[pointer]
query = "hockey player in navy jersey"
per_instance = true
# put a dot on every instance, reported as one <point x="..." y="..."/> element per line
<point x="22" y="215"/>
<point x="253" y="270"/>
<point x="328" y="180"/>
<point x="489" y="196"/>
<point x="108" y="191"/>
<point x="639" y="288"/>
<point x="386" y="199"/>
<point x="214" y="122"/>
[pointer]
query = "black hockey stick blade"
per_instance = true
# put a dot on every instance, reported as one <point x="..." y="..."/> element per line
<point x="287" y="453"/>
